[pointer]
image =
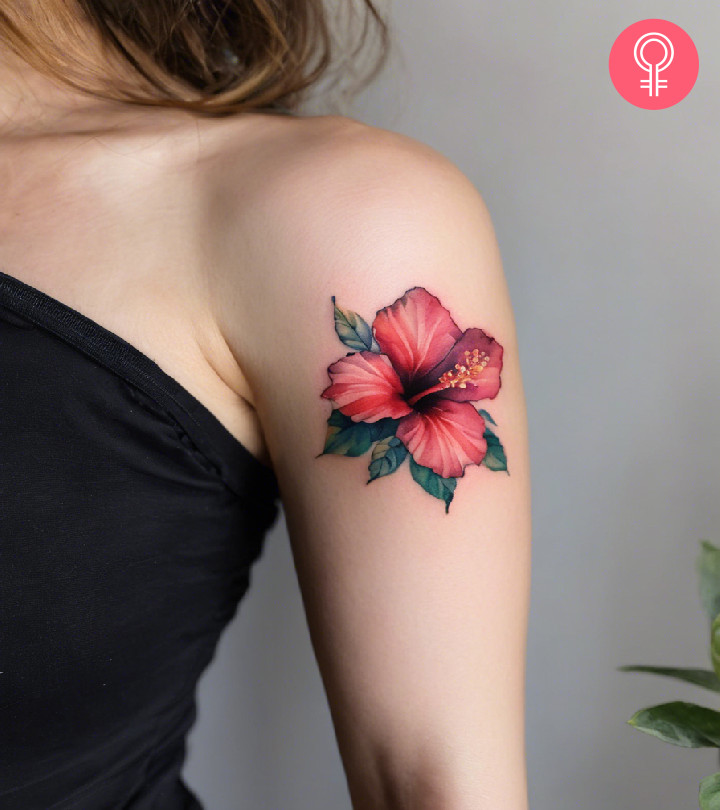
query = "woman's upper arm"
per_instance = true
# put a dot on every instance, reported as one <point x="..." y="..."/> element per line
<point x="380" y="347"/>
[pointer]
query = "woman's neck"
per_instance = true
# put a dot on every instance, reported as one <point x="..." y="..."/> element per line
<point x="33" y="104"/>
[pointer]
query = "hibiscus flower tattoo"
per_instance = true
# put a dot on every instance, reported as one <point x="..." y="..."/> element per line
<point x="407" y="388"/>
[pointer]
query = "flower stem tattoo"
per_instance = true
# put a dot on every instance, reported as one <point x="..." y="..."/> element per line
<point x="406" y="387"/>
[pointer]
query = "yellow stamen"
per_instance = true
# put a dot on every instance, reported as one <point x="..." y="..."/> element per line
<point x="467" y="371"/>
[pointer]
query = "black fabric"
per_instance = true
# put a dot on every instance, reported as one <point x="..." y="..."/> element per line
<point x="130" y="518"/>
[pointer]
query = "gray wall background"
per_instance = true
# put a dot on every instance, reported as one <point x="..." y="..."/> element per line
<point x="608" y="222"/>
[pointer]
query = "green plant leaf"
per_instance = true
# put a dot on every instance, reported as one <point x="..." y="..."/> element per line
<point x="486" y="416"/>
<point x="685" y="724"/>
<point x="353" y="330"/>
<point x="710" y="792"/>
<point x="708" y="570"/>
<point x="436" y="485"/>
<point x="700" y="677"/>
<point x="715" y="644"/>
<point x="387" y="455"/>
<point x="345" y="437"/>
<point x="495" y="456"/>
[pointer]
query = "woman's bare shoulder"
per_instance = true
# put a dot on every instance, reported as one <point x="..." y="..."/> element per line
<point x="307" y="207"/>
<point x="293" y="158"/>
<point x="299" y="185"/>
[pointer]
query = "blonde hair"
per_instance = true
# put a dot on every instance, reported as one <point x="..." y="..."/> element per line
<point x="215" y="57"/>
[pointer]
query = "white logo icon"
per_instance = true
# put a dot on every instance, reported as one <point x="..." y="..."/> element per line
<point x="653" y="83"/>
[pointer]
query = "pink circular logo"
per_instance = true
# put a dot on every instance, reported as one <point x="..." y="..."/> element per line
<point x="654" y="64"/>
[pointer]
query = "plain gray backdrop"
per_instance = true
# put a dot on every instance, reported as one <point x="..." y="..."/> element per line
<point x="608" y="222"/>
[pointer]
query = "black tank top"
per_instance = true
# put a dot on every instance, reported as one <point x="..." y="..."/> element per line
<point x="130" y="518"/>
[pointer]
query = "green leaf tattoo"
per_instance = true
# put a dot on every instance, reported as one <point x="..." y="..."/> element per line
<point x="347" y="438"/>
<point x="387" y="455"/>
<point x="434" y="484"/>
<point x="353" y="330"/>
<point x="486" y="416"/>
<point x="495" y="455"/>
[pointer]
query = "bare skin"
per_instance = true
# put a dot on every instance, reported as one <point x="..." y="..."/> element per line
<point x="214" y="246"/>
<point x="105" y="208"/>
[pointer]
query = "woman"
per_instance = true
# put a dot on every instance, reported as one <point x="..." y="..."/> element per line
<point x="207" y="307"/>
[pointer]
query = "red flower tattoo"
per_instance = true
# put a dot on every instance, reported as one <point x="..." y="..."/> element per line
<point x="409" y="388"/>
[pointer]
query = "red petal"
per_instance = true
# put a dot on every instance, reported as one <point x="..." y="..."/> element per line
<point x="366" y="388"/>
<point x="447" y="437"/>
<point x="486" y="385"/>
<point x="415" y="332"/>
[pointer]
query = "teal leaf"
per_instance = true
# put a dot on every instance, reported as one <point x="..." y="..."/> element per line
<point x="708" y="570"/>
<point x="353" y="330"/>
<point x="705" y="678"/>
<point x="387" y="456"/>
<point x="431" y="482"/>
<point x="345" y="437"/>
<point x="486" y="416"/>
<point x="710" y="792"/>
<point x="383" y="428"/>
<point x="685" y="724"/>
<point x="495" y="455"/>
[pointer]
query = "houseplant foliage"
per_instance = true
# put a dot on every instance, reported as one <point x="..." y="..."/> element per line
<point x="688" y="724"/>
